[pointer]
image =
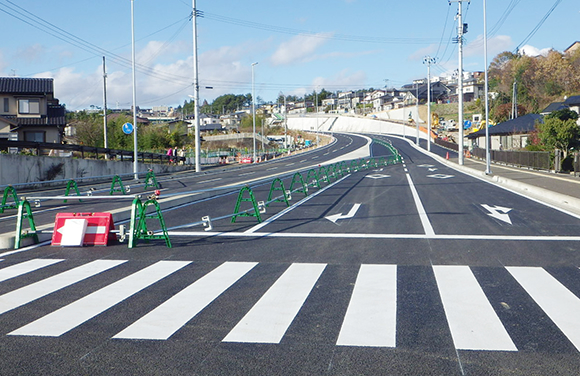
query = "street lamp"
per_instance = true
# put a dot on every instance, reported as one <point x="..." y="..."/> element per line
<point x="196" y="92"/>
<point x="254" y="114"/>
<point x="428" y="60"/>
<point x="487" y="153"/>
<point x="135" y="167"/>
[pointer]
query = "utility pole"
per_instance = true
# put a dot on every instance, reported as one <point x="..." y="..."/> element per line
<point x="428" y="60"/>
<point x="461" y="29"/>
<point x="135" y="163"/>
<point x="515" y="100"/>
<point x="417" y="109"/>
<point x="105" y="107"/>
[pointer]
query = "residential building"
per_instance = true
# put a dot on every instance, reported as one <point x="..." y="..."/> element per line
<point x="29" y="110"/>
<point x="509" y="135"/>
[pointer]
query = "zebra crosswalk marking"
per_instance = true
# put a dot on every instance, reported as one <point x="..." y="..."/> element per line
<point x="68" y="317"/>
<point x="25" y="267"/>
<point x="473" y="323"/>
<point x="165" y="320"/>
<point x="559" y="303"/>
<point x="37" y="290"/>
<point x="271" y="316"/>
<point x="371" y="316"/>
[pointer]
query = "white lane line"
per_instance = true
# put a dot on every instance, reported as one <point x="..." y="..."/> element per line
<point x="373" y="236"/>
<point x="420" y="209"/>
<point x="559" y="303"/>
<point x="271" y="168"/>
<point x="37" y="290"/>
<point x="290" y="164"/>
<point x="316" y="156"/>
<point x="473" y="323"/>
<point x="371" y="316"/>
<point x="165" y="320"/>
<point x="25" y="267"/>
<point x="289" y="209"/>
<point x="302" y="161"/>
<point x="208" y="181"/>
<point x="247" y="173"/>
<point x="271" y="316"/>
<point x="69" y="317"/>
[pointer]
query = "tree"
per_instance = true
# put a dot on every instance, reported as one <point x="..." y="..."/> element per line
<point x="558" y="134"/>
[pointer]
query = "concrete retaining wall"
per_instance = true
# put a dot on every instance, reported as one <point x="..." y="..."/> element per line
<point x="20" y="169"/>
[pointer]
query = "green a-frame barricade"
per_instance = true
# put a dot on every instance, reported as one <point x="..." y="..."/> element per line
<point x="297" y="178"/>
<point x="9" y="191"/>
<point x="24" y="212"/>
<point x="121" y="188"/>
<point x="312" y="177"/>
<point x="279" y="187"/>
<point x="254" y="212"/>
<point x="151" y="180"/>
<point x="71" y="184"/>
<point x="138" y="227"/>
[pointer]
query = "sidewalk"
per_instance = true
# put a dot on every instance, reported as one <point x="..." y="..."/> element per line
<point x="559" y="190"/>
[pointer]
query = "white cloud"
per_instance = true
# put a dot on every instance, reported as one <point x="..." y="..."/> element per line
<point x="421" y="53"/>
<point x="298" y="49"/>
<point x="495" y="45"/>
<point x="533" y="51"/>
<point x="32" y="53"/>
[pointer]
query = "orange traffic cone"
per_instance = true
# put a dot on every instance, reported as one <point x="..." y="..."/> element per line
<point x="447" y="156"/>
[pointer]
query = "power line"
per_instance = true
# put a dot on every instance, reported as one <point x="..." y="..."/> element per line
<point x="538" y="26"/>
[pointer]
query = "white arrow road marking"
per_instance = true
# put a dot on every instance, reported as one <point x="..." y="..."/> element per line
<point x="433" y="169"/>
<point x="440" y="176"/>
<point x="426" y="165"/>
<point x="378" y="176"/>
<point x="498" y="212"/>
<point x="335" y="217"/>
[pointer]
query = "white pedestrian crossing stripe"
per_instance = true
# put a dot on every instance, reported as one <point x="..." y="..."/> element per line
<point x="76" y="313"/>
<point x="370" y="318"/>
<point x="166" y="319"/>
<point x="269" y="319"/>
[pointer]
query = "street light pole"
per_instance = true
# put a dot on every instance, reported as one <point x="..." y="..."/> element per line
<point x="254" y="114"/>
<point x="196" y="91"/>
<point x="428" y="60"/>
<point x="135" y="166"/>
<point x="487" y="152"/>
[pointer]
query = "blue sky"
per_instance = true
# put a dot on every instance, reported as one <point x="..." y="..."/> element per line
<point x="300" y="46"/>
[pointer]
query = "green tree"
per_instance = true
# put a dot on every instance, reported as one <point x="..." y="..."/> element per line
<point x="558" y="134"/>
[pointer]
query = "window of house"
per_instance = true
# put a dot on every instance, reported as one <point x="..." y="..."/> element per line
<point x="35" y="136"/>
<point x="29" y="106"/>
<point x="6" y="105"/>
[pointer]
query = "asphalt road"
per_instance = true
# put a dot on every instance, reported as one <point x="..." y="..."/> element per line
<point x="406" y="269"/>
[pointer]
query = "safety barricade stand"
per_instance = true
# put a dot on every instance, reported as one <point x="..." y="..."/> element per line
<point x="253" y="212"/>
<point x="344" y="167"/>
<point x="278" y="187"/>
<point x="9" y="190"/>
<point x="338" y="169"/>
<point x="151" y="180"/>
<point x="82" y="229"/>
<point x="121" y="188"/>
<point x="138" y="227"/>
<point x="322" y="170"/>
<point x="71" y="184"/>
<point x="297" y="178"/>
<point x="312" y="177"/>
<point x="24" y="212"/>
<point x="354" y="165"/>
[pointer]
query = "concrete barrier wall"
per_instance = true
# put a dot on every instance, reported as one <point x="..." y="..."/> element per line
<point x="346" y="123"/>
<point x="20" y="169"/>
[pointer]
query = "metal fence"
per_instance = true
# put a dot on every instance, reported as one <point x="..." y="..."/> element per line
<point x="540" y="160"/>
<point x="447" y="144"/>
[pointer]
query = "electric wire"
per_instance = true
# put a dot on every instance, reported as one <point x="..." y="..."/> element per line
<point x="538" y="26"/>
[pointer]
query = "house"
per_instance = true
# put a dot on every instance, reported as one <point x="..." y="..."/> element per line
<point x="570" y="50"/>
<point x="571" y="103"/>
<point x="29" y="110"/>
<point x="440" y="93"/>
<point x="509" y="135"/>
